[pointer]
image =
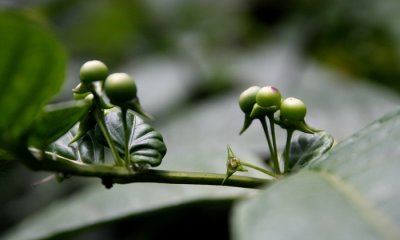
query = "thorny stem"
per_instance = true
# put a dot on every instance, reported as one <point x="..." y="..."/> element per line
<point x="121" y="175"/>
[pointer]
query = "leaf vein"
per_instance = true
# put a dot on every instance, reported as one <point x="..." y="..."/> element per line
<point x="374" y="216"/>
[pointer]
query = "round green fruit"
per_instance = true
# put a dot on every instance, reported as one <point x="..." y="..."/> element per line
<point x="268" y="97"/>
<point x="93" y="71"/>
<point x="247" y="99"/>
<point x="120" y="88"/>
<point x="293" y="109"/>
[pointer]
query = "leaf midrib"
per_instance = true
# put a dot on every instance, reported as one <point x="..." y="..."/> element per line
<point x="376" y="218"/>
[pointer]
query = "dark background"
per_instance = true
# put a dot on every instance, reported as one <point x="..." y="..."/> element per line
<point x="358" y="39"/>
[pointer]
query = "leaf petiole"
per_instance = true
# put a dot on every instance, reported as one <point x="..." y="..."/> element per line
<point x="258" y="169"/>
<point x="273" y="136"/>
<point x="287" y="149"/>
<point x="99" y="116"/>
<point x="126" y="135"/>
<point x="271" y="149"/>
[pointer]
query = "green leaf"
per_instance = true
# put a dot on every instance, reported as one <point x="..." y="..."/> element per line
<point x="62" y="148"/>
<point x="32" y="66"/>
<point x="56" y="120"/>
<point x="87" y="149"/>
<point x="352" y="192"/>
<point x="308" y="147"/>
<point x="146" y="146"/>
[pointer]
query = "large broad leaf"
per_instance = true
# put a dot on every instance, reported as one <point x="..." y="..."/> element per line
<point x="31" y="71"/>
<point x="56" y="120"/>
<point x="146" y="146"/>
<point x="350" y="193"/>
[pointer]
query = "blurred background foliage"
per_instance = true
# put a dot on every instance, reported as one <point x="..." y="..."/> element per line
<point x="358" y="38"/>
<point x="199" y="40"/>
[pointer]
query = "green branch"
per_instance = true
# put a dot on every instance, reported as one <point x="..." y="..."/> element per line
<point x="121" y="175"/>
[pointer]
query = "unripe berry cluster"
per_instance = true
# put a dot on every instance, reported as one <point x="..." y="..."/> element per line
<point x="119" y="87"/>
<point x="267" y="102"/>
<point x="257" y="102"/>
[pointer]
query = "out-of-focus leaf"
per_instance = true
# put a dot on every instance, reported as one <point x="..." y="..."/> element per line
<point x="350" y="193"/>
<point x="56" y="120"/>
<point x="146" y="146"/>
<point x="308" y="147"/>
<point x="32" y="66"/>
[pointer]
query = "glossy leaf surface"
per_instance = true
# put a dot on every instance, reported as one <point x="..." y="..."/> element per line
<point x="56" y="120"/>
<point x="146" y="146"/>
<point x="86" y="150"/>
<point x="350" y="193"/>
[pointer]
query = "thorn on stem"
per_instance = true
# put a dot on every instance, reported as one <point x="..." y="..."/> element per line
<point x="107" y="182"/>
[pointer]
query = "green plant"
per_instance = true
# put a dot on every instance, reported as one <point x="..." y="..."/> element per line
<point x="120" y="88"/>
<point x="266" y="102"/>
<point x="70" y="138"/>
<point x="134" y="144"/>
<point x="293" y="109"/>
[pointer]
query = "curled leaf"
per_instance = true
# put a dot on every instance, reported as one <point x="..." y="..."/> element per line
<point x="146" y="146"/>
<point x="87" y="149"/>
<point x="308" y="147"/>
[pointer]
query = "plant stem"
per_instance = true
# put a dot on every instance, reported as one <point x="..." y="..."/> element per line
<point x="258" y="169"/>
<point x="122" y="175"/>
<point x="126" y="134"/>
<point x="272" y="126"/>
<point x="99" y="116"/>
<point x="274" y="160"/>
<point x="287" y="149"/>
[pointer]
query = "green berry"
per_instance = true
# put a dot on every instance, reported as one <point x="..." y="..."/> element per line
<point x="93" y="71"/>
<point x="268" y="97"/>
<point x="120" y="88"/>
<point x="293" y="109"/>
<point x="247" y="99"/>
